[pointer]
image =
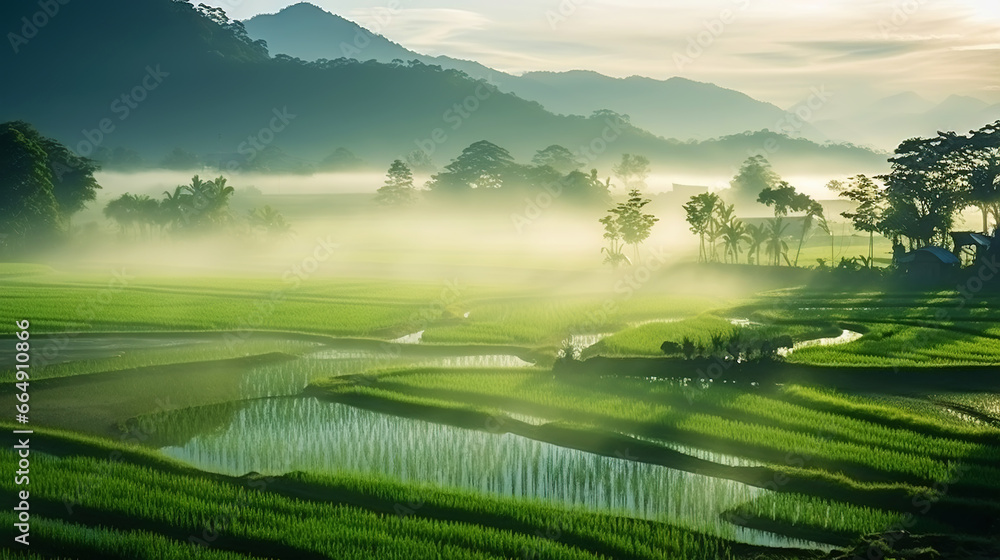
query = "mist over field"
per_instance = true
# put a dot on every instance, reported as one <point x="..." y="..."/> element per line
<point x="512" y="280"/>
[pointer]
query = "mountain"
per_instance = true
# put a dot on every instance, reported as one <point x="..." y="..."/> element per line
<point x="311" y="33"/>
<point x="673" y="108"/>
<point x="162" y="74"/>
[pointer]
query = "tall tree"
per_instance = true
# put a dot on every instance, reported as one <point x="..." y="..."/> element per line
<point x="777" y="248"/>
<point x="483" y="165"/>
<point x="783" y="198"/>
<point x="870" y="201"/>
<point x="734" y="233"/>
<point x="978" y="159"/>
<point x="754" y="176"/>
<point x="557" y="157"/>
<point x="28" y="206"/>
<point x="71" y="176"/>
<point x="398" y="189"/>
<point x="632" y="171"/>
<point x="922" y="196"/>
<point x="700" y="211"/>
<point x="757" y="236"/>
<point x="630" y="222"/>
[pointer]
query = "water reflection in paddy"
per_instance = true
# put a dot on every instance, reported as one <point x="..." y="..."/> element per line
<point x="276" y="436"/>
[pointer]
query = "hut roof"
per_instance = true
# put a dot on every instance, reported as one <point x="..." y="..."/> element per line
<point x="925" y="254"/>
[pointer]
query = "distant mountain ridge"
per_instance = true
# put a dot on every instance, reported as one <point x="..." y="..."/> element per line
<point x="222" y="94"/>
<point x="672" y="108"/>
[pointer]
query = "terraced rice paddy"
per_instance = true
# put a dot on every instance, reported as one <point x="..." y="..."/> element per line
<point x="459" y="400"/>
<point x="309" y="435"/>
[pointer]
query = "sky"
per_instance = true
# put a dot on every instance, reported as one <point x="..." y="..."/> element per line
<point x="776" y="51"/>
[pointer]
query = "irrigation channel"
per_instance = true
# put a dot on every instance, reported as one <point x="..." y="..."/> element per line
<point x="261" y="421"/>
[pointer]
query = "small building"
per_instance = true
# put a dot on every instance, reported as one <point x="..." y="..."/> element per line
<point x="928" y="265"/>
<point x="970" y="245"/>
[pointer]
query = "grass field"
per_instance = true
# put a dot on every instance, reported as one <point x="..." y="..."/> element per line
<point x="170" y="362"/>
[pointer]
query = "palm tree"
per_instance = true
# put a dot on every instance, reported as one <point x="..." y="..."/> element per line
<point x="123" y="211"/>
<point x="813" y="210"/>
<point x="700" y="210"/>
<point x="221" y="193"/>
<point x="269" y="220"/>
<point x="757" y="236"/>
<point x="208" y="201"/>
<point x="733" y="233"/>
<point x="723" y="215"/>
<point x="776" y="248"/>
<point x="172" y="203"/>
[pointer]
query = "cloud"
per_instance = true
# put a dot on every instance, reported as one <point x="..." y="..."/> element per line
<point x="771" y="49"/>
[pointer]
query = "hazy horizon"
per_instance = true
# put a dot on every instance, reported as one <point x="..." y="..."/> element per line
<point x="774" y="52"/>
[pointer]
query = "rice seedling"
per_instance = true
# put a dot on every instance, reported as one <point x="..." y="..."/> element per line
<point x="179" y="505"/>
<point x="841" y="519"/>
<point x="309" y="435"/>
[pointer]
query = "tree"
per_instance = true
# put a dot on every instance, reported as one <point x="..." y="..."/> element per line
<point x="754" y="176"/>
<point x="870" y="207"/>
<point x="204" y="204"/>
<point x="483" y="165"/>
<point x="814" y="211"/>
<point x="783" y="198"/>
<point x="28" y="206"/>
<point x="613" y="254"/>
<point x="269" y="220"/>
<point x="632" y="171"/>
<point x="71" y="176"/>
<point x="734" y="232"/>
<point x="341" y="159"/>
<point x="978" y="159"/>
<point x="420" y="162"/>
<point x="700" y="211"/>
<point x="181" y="160"/>
<point x="398" y="189"/>
<point x="557" y="157"/>
<point x="776" y="248"/>
<point x="120" y="159"/>
<point x="627" y="223"/>
<point x="133" y="211"/>
<point x="584" y="187"/>
<point x="921" y="194"/>
<point x="757" y="235"/>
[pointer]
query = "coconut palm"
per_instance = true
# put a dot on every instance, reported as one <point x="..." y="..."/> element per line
<point x="723" y="215"/>
<point x="813" y="211"/>
<point x="757" y="236"/>
<point x="269" y="220"/>
<point x="734" y="233"/>
<point x="776" y="247"/>
<point x="700" y="211"/>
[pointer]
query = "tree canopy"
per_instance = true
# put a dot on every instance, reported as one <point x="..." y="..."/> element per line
<point x="71" y="176"/>
<point x="754" y="176"/>
<point x="28" y="206"/>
